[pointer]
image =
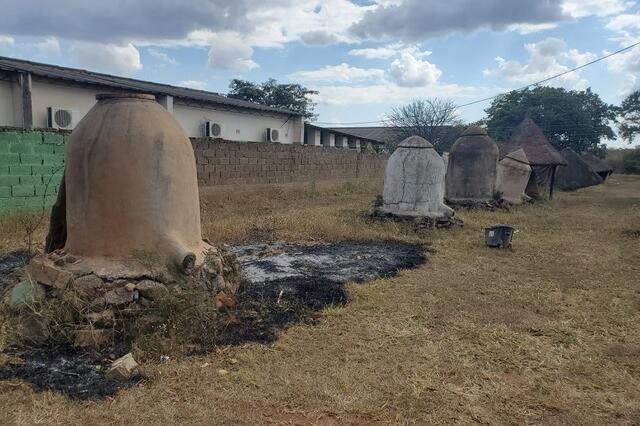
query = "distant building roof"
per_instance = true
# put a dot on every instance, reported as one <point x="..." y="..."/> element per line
<point x="130" y="84"/>
<point x="381" y="134"/>
<point x="344" y="131"/>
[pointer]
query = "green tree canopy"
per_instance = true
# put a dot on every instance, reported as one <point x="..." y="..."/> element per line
<point x="569" y="118"/>
<point x="293" y="97"/>
<point x="630" y="116"/>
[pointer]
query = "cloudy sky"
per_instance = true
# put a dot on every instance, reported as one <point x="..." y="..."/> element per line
<point x="363" y="56"/>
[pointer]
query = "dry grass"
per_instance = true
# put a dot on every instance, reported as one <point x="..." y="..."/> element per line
<point x="547" y="333"/>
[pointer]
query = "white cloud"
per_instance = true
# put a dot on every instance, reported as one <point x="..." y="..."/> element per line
<point x="318" y="38"/>
<point x="109" y="58"/>
<point x="546" y="58"/>
<point x="626" y="65"/>
<point x="6" y="40"/>
<point x="338" y="73"/>
<point x="230" y="53"/>
<point x="389" y="51"/>
<point x="624" y="22"/>
<point x="193" y="84"/>
<point x="389" y="92"/>
<point x="409" y="71"/>
<point x="415" y="20"/>
<point x="161" y="56"/>
<point x="583" y="8"/>
<point x="50" y="45"/>
<point x="285" y="21"/>
<point x="531" y="28"/>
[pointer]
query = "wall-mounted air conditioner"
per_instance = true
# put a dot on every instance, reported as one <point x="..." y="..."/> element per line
<point x="61" y="118"/>
<point x="273" y="135"/>
<point x="212" y="130"/>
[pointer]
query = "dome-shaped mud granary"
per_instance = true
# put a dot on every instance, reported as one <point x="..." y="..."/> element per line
<point x="125" y="230"/>
<point x="514" y="172"/>
<point x="131" y="183"/>
<point x="472" y="169"/>
<point x="413" y="183"/>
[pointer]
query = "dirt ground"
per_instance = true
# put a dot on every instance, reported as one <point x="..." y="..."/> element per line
<point x="545" y="333"/>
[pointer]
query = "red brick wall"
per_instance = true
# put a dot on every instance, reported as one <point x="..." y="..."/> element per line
<point x="222" y="162"/>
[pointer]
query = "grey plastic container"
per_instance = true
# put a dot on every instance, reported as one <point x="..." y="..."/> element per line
<point x="498" y="236"/>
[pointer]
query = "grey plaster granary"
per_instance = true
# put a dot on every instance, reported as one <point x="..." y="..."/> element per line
<point x="514" y="172"/>
<point x="473" y="167"/>
<point x="413" y="183"/>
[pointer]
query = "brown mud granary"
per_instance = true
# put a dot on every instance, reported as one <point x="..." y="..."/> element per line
<point x="543" y="157"/>
<point x="472" y="168"/>
<point x="125" y="231"/>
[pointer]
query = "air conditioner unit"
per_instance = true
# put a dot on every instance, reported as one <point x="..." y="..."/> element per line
<point x="212" y="130"/>
<point x="273" y="135"/>
<point x="61" y="118"/>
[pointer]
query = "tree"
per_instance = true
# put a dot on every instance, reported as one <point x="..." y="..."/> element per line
<point x="629" y="120"/>
<point x="293" y="97"/>
<point x="569" y="119"/>
<point x="435" y="119"/>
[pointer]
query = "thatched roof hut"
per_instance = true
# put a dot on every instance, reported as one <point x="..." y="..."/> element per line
<point x="542" y="156"/>
<point x="578" y="174"/>
<point x="472" y="168"/>
<point x="598" y="165"/>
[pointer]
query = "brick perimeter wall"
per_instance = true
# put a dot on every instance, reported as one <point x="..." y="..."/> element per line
<point x="222" y="162"/>
<point x="31" y="167"/>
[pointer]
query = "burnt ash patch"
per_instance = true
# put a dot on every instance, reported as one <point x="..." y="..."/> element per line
<point x="262" y="312"/>
<point x="74" y="374"/>
<point x="289" y="283"/>
<point x="286" y="284"/>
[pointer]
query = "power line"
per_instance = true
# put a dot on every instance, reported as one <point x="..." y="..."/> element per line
<point x="553" y="77"/>
<point x="562" y="74"/>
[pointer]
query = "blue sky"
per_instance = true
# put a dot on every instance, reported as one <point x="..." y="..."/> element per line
<point x="363" y="57"/>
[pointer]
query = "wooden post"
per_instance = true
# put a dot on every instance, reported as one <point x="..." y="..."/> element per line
<point x="553" y="182"/>
<point x="27" y="109"/>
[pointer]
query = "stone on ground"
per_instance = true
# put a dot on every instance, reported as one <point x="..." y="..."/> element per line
<point x="26" y="293"/>
<point x="122" y="369"/>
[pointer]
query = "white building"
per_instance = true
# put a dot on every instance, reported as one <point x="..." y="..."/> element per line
<point x="31" y="93"/>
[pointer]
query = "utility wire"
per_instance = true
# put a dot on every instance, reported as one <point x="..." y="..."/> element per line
<point x="553" y="77"/>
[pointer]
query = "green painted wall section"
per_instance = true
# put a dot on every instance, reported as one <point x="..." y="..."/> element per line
<point x="31" y="167"/>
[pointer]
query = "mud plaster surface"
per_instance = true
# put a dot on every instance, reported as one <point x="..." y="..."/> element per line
<point x="287" y="283"/>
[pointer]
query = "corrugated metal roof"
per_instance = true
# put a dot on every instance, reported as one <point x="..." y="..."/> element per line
<point x="344" y="131"/>
<point x="380" y="134"/>
<point x="123" y="83"/>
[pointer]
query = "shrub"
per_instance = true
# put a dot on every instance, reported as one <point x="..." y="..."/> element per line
<point x="631" y="162"/>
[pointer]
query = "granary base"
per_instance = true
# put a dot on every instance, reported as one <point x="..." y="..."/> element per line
<point x="104" y="292"/>
<point x="419" y="221"/>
